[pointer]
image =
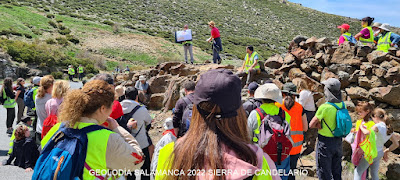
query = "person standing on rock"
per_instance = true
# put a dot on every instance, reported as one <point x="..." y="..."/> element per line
<point x="181" y="106"/>
<point x="142" y="86"/>
<point x="19" y="98"/>
<point x="387" y="39"/>
<point x="329" y="148"/>
<point x="345" y="35"/>
<point x="250" y="65"/>
<point x="188" y="46"/>
<point x="71" y="72"/>
<point x="80" y="72"/>
<point x="8" y="103"/>
<point x="251" y="103"/>
<point x="366" y="35"/>
<point x="216" y="42"/>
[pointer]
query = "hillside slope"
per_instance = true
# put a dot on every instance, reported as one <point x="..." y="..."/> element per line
<point x="266" y="24"/>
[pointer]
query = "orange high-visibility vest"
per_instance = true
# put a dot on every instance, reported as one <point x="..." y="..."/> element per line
<point x="296" y="126"/>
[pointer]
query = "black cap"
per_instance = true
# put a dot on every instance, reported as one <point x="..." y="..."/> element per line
<point x="25" y="119"/>
<point x="221" y="87"/>
<point x="253" y="86"/>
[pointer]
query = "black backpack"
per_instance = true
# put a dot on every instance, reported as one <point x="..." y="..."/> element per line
<point x="123" y="120"/>
<point x="186" y="117"/>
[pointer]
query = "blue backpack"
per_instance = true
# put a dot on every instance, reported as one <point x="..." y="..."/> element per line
<point x="28" y="98"/>
<point x="186" y="117"/>
<point x="351" y="39"/>
<point x="64" y="155"/>
<point x="343" y="121"/>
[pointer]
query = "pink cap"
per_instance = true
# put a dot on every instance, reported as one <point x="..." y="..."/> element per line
<point x="344" y="26"/>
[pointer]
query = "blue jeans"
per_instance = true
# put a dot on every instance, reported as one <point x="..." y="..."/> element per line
<point x="329" y="158"/>
<point x="363" y="166"/>
<point x="217" y="47"/>
<point x="285" y="165"/>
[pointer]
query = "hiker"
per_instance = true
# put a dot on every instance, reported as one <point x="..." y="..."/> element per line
<point x="298" y="123"/>
<point x="168" y="137"/>
<point x="120" y="93"/>
<point x="251" y="103"/>
<point x="142" y="86"/>
<point x="276" y="118"/>
<point x="366" y="35"/>
<point x="30" y="98"/>
<point x="215" y="38"/>
<point x="117" y="70"/>
<point x="19" y="98"/>
<point x="60" y="89"/>
<point x="383" y="132"/>
<point x="364" y="111"/>
<point x="25" y="151"/>
<point x="107" y="149"/>
<point x="387" y="38"/>
<point x="250" y="65"/>
<point x="306" y="100"/>
<point x="127" y="70"/>
<point x="43" y="95"/>
<point x="188" y="46"/>
<point x="328" y="155"/>
<point x="345" y="35"/>
<point x="71" y="72"/>
<point x="8" y="102"/>
<point x="218" y="137"/>
<point x="138" y="113"/>
<point x="80" y="72"/>
<point x="375" y="28"/>
<point x="181" y="122"/>
<point x="25" y="121"/>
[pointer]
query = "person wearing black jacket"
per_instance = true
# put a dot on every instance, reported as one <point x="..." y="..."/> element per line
<point x="180" y="106"/>
<point x="9" y="98"/>
<point x="251" y="103"/>
<point x="25" y="151"/>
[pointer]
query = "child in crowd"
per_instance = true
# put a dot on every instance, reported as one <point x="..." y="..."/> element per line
<point x="383" y="133"/>
<point x="25" y="121"/>
<point x="25" y="151"/>
<point x="364" y="111"/>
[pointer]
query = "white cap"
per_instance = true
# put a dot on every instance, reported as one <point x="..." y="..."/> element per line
<point x="269" y="91"/>
<point x="385" y="27"/>
<point x="142" y="78"/>
<point x="168" y="124"/>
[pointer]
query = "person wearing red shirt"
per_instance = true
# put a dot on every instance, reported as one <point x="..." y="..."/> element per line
<point x="216" y="45"/>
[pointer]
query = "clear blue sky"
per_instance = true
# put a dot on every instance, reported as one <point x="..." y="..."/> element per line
<point x="384" y="11"/>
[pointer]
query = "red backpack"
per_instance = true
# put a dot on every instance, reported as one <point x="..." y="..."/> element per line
<point x="275" y="137"/>
<point x="48" y="123"/>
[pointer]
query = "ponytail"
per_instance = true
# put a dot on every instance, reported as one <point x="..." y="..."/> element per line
<point x="73" y="106"/>
<point x="369" y="20"/>
<point x="381" y="114"/>
<point x="289" y="102"/>
<point x="45" y="83"/>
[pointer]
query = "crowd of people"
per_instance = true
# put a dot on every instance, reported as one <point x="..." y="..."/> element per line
<point x="212" y="134"/>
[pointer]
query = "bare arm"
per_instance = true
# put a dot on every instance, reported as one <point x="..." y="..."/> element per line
<point x="305" y="123"/>
<point x="254" y="64"/>
<point x="395" y="144"/>
<point x="315" y="123"/>
<point x="364" y="130"/>
<point x="357" y="36"/>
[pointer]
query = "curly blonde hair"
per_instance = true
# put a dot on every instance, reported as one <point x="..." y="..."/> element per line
<point x="45" y="83"/>
<point x="60" y="89"/>
<point x="84" y="102"/>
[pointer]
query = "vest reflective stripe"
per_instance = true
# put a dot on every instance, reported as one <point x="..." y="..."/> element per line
<point x="80" y="70"/>
<point x="384" y="42"/>
<point x="296" y="126"/>
<point x="345" y="38"/>
<point x="71" y="71"/>
<point x="9" y="103"/>
<point x="371" y="37"/>
<point x="96" y="149"/>
<point x="166" y="157"/>
<point x="250" y="61"/>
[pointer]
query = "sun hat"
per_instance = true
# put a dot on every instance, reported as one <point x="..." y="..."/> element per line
<point x="344" y="26"/>
<point x="269" y="91"/>
<point x="221" y="87"/>
<point x="332" y="90"/>
<point x="290" y="88"/>
<point x="385" y="27"/>
<point x="36" y="80"/>
<point x="376" y="24"/>
<point x="142" y="78"/>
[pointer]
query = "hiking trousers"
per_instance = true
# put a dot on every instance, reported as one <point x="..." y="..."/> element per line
<point x="21" y="109"/>
<point x="363" y="166"/>
<point x="189" y="48"/>
<point x="329" y="158"/>
<point x="10" y="117"/>
<point x="217" y="47"/>
<point x="249" y="76"/>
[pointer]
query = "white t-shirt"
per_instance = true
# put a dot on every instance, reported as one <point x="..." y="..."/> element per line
<point x="306" y="99"/>
<point x="381" y="136"/>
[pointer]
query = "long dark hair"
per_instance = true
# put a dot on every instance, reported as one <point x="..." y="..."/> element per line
<point x="369" y="20"/>
<point x="365" y="106"/>
<point x="7" y="84"/>
<point x="288" y="100"/>
<point x="202" y="146"/>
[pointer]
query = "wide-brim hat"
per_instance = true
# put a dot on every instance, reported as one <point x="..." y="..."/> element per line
<point x="385" y="27"/>
<point x="142" y="78"/>
<point x="290" y="88"/>
<point x="269" y="91"/>
<point x="376" y="24"/>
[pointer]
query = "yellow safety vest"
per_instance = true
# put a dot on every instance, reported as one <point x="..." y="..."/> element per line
<point x="10" y="102"/>
<point x="344" y="36"/>
<point x="80" y="70"/>
<point x="249" y="61"/>
<point x="166" y="157"/>
<point x="96" y="148"/>
<point x="384" y="42"/>
<point x="371" y="37"/>
<point x="71" y="71"/>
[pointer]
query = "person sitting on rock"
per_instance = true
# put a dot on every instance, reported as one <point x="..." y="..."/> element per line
<point x="142" y="86"/>
<point x="180" y="107"/>
<point x="250" y="65"/>
<point x="387" y="39"/>
<point x="345" y="35"/>
<point x="251" y="103"/>
<point x="366" y="35"/>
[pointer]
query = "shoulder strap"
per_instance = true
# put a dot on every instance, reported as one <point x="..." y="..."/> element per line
<point x="261" y="113"/>
<point x="92" y="128"/>
<point x="187" y="100"/>
<point x="337" y="107"/>
<point x="134" y="110"/>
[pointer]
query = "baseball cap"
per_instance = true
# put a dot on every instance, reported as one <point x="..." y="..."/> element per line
<point x="36" y="80"/>
<point x="269" y="91"/>
<point x="253" y="86"/>
<point x="344" y="26"/>
<point x="142" y="78"/>
<point x="221" y="87"/>
<point x="290" y="88"/>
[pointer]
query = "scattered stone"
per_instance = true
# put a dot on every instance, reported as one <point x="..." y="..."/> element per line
<point x="156" y="101"/>
<point x="393" y="171"/>
<point x="398" y="53"/>
<point x="316" y="76"/>
<point x="371" y="81"/>
<point x="343" y="55"/>
<point x="158" y="84"/>
<point x="366" y="69"/>
<point x="320" y="57"/>
<point x="324" y="40"/>
<point x="386" y="65"/>
<point x="389" y="94"/>
<point x="350" y="106"/>
<point x="393" y="75"/>
<point x="289" y="59"/>
<point x="394" y="116"/>
<point x="326" y="74"/>
<point x="311" y="41"/>
<point x="379" y="71"/>
<point x="274" y="62"/>
<point x="394" y="63"/>
<point x="300" y="54"/>
<point x="306" y="68"/>
<point x="313" y="63"/>
<point x="357" y="93"/>
<point x="344" y="79"/>
<point x="377" y="57"/>
<point x="363" y="51"/>
<point x="335" y="68"/>
<point x="354" y="77"/>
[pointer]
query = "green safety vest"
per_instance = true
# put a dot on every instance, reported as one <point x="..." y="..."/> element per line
<point x="96" y="147"/>
<point x="35" y="91"/>
<point x="187" y="42"/>
<point x="249" y="61"/>
<point x="345" y="38"/>
<point x="270" y="109"/>
<point x="371" y="37"/>
<point x="9" y="103"/>
<point x="80" y="70"/>
<point x="71" y="71"/>
<point x="384" y="42"/>
<point x="166" y="156"/>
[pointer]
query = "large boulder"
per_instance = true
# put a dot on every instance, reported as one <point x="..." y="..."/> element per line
<point x="357" y="93"/>
<point x="344" y="54"/>
<point x="389" y="94"/>
<point x="394" y="116"/>
<point x="393" y="171"/>
<point x="379" y="71"/>
<point x="313" y="63"/>
<point x="174" y="70"/>
<point x="171" y="96"/>
<point x="289" y="59"/>
<point x="377" y="57"/>
<point x="166" y="66"/>
<point x="371" y="81"/>
<point x="393" y="75"/>
<point x="312" y="84"/>
<point x="300" y="54"/>
<point x="156" y="101"/>
<point x="158" y="84"/>
<point x="344" y="79"/>
<point x="326" y="74"/>
<point x="363" y="51"/>
<point x="274" y="62"/>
